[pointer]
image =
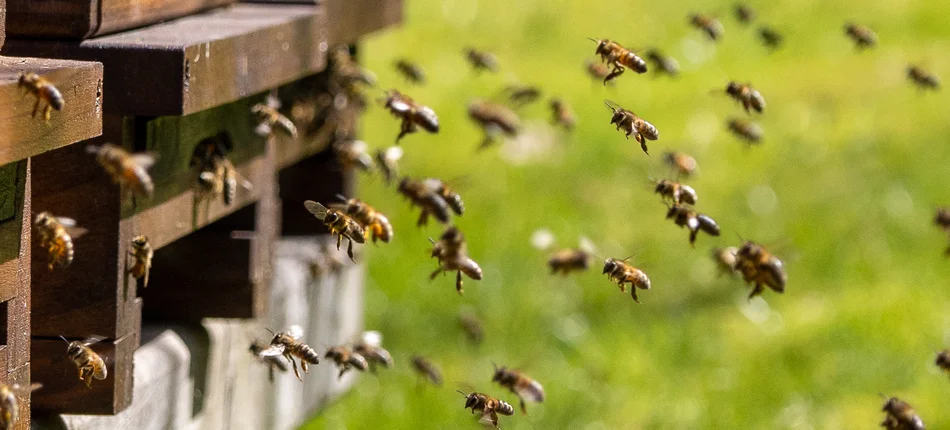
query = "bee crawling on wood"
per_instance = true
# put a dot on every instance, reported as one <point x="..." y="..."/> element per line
<point x="288" y="344"/>
<point x="623" y="273"/>
<point x="684" y="164"/>
<point x="339" y="223"/>
<point x="373" y="222"/>
<point x="562" y="114"/>
<point x="452" y="253"/>
<point x="943" y="360"/>
<point x="686" y="216"/>
<point x="412" y="114"/>
<point x="676" y="192"/>
<point x="216" y="175"/>
<point x="370" y="347"/>
<point x="271" y="119"/>
<point x="488" y="406"/>
<point x="745" y="130"/>
<point x="273" y="362"/>
<point x="632" y="124"/>
<point x="388" y="162"/>
<point x="481" y="60"/>
<point x="128" y="170"/>
<point x="862" y="36"/>
<point x="9" y="405"/>
<point x="614" y="54"/>
<point x="427" y="369"/>
<point x="345" y="359"/>
<point x="746" y="95"/>
<point x="494" y="119"/>
<point x="520" y="384"/>
<point x="900" y="416"/>
<point x="411" y="71"/>
<point x="44" y="91"/>
<point x="141" y="253"/>
<point x="664" y="64"/>
<point x="759" y="267"/>
<point x="89" y="363"/>
<point x="709" y="25"/>
<point x="922" y="78"/>
<point x="56" y="238"/>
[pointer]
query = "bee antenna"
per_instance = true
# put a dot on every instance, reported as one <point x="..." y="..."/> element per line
<point x="741" y="239"/>
<point x="269" y="330"/>
<point x="340" y="196"/>
<point x="593" y="40"/>
<point x="460" y="392"/>
<point x="64" y="339"/>
<point x="431" y="241"/>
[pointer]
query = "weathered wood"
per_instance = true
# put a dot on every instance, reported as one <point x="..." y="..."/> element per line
<point x="3" y="20"/>
<point x="21" y="377"/>
<point x="81" y="19"/>
<point x="22" y="136"/>
<point x="201" y="61"/>
<point x="351" y="19"/>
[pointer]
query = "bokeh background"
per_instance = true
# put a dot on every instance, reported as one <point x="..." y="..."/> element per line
<point x="843" y="188"/>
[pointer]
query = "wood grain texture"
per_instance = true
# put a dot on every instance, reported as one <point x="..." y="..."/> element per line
<point x="3" y="21"/>
<point x="81" y="19"/>
<point x="22" y="136"/>
<point x="201" y="61"/>
<point x="349" y="20"/>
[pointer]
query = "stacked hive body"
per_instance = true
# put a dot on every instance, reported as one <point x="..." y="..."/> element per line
<point x="163" y="76"/>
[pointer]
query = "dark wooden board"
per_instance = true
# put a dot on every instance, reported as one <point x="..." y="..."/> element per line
<point x="82" y="19"/>
<point x="349" y="20"/>
<point x="201" y="61"/>
<point x="80" y="83"/>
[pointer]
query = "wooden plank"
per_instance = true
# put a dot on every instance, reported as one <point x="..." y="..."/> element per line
<point x="80" y="83"/>
<point x="201" y="61"/>
<point x="349" y="20"/>
<point x="82" y="19"/>
<point x="3" y="20"/>
<point x="15" y="273"/>
<point x="21" y="376"/>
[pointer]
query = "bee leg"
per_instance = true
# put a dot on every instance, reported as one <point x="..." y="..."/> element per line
<point x="36" y="106"/>
<point x="349" y="250"/>
<point x="342" y="371"/>
<point x="524" y="409"/>
<point x="633" y="292"/>
<point x="339" y="240"/>
<point x="270" y="373"/>
<point x="643" y="143"/>
<point x="46" y="112"/>
<point x="436" y="273"/>
<point x="423" y="218"/>
<point x="293" y="363"/>
<point x="458" y="282"/>
<point x="494" y="419"/>
<point x="756" y="291"/>
<point x="692" y="237"/>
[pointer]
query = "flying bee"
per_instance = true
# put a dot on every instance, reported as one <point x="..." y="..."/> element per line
<point x="370" y="348"/>
<point x="411" y="71"/>
<point x="900" y="416"/>
<point x="372" y="221"/>
<point x="725" y="259"/>
<point x="632" y="124"/>
<point x="352" y="153"/>
<point x="684" y="164"/>
<point x="744" y="13"/>
<point x="89" y="363"/>
<point x="488" y="406"/>
<point x="412" y="114"/>
<point x="746" y="95"/>
<point x="430" y="201"/>
<point x="388" y="162"/>
<point x="141" y="253"/>
<point x="598" y="71"/>
<point x="522" y="385"/>
<point x="664" y="64"/>
<point x="760" y="268"/>
<point x="922" y="78"/>
<point x="472" y="327"/>
<point x="128" y="170"/>
<point x="746" y="130"/>
<point x="676" y="192"/>
<point x="55" y="237"/>
<point x="943" y="360"/>
<point x="521" y="95"/>
<point x="770" y="37"/>
<point x="562" y="114"/>
<point x="271" y="119"/>
<point x="494" y="119"/>
<point x="453" y="199"/>
<point x="686" y="216"/>
<point x="452" y="254"/>
<point x="339" y="223"/>
<point x="569" y="260"/>
<point x="427" y="369"/>
<point x="942" y="219"/>
<point x="614" y="54"/>
<point x="862" y="36"/>
<point x="272" y="361"/>
<point x="346" y="359"/>
<point x="709" y="25"/>
<point x="621" y="272"/>
<point x="481" y="60"/>
<point x="9" y="405"/>
<point x="219" y="178"/>
<point x="44" y="91"/>
<point x="288" y="344"/>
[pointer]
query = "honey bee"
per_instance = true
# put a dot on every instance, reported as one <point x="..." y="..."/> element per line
<point x="632" y="124"/>
<point x="664" y="64"/>
<point x="494" y="119"/>
<point x="272" y="361"/>
<point x="346" y="359"/>
<point x="746" y="130"/>
<point x="746" y="95"/>
<point x="128" y="170"/>
<point x="488" y="406"/>
<point x="326" y="261"/>
<point x="372" y="221"/>
<point x="9" y="405"/>
<point x="472" y="327"/>
<point x="219" y="178"/>
<point x="44" y="92"/>
<point x="725" y="259"/>
<point x="89" y="363"/>
<point x="370" y="348"/>
<point x="428" y="199"/>
<point x="598" y="71"/>
<point x="411" y="113"/>
<point x="427" y="369"/>
<point x="521" y="95"/>
<point x="288" y="345"/>
<point x="55" y="237"/>
<point x="562" y="114"/>
<point x="685" y="216"/>
<point x="453" y="199"/>
<point x="347" y="71"/>
<point x="339" y="223"/>
<point x="770" y="37"/>
<point x="922" y="78"/>
<point x="614" y="54"/>
<point x="621" y="272"/>
<point x="411" y="71"/>
<point x="942" y="219"/>
<point x="271" y="118"/>
<point x="744" y="13"/>
<point x="709" y="25"/>
<point x="481" y="60"/>
<point x="862" y="36"/>
<point x="900" y="416"/>
<point x="676" y="192"/>
<point x="388" y="162"/>
<point x="943" y="360"/>
<point x="142" y="255"/>
<point x="352" y="153"/>
<point x="759" y="267"/>
<point x="684" y="164"/>
<point x="522" y="385"/>
<point x="452" y="254"/>
<point x="569" y="260"/>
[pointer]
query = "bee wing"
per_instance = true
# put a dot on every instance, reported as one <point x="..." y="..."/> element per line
<point x="295" y="331"/>
<point x="532" y="392"/>
<point x="393" y="153"/>
<point x="272" y="351"/>
<point x="66" y="222"/>
<point x="145" y="159"/>
<point x="318" y="210"/>
<point x="92" y="340"/>
<point x="587" y="245"/>
<point x="358" y="146"/>
<point x="400" y="106"/>
<point x="542" y="239"/>
<point x="272" y="100"/>
<point x="263" y="129"/>
<point x="372" y="338"/>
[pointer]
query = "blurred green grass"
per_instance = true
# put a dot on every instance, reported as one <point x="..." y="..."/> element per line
<point x="843" y="188"/>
